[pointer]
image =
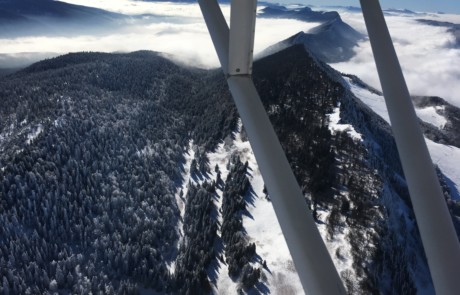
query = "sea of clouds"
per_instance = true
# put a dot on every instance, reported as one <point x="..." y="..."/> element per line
<point x="176" y="29"/>
<point x="429" y="62"/>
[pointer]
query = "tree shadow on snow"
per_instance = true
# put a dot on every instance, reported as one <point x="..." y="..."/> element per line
<point x="454" y="193"/>
<point x="259" y="288"/>
<point x="247" y="214"/>
<point x="215" y="266"/>
<point x="251" y="196"/>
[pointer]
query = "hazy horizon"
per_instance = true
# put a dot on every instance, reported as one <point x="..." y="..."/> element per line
<point x="177" y="29"/>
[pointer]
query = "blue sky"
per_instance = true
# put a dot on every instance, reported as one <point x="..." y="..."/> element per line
<point x="447" y="6"/>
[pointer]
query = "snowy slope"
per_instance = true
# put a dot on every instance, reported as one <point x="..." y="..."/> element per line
<point x="432" y="115"/>
<point x="264" y="230"/>
<point x="446" y="157"/>
<point x="261" y="224"/>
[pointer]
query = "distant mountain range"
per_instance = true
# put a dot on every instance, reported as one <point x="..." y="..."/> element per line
<point x="303" y="13"/>
<point x="393" y="11"/>
<point x="451" y="27"/>
<point x="33" y="17"/>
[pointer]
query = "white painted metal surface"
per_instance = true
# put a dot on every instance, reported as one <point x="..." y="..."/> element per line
<point x="439" y="239"/>
<point x="218" y="29"/>
<point x="242" y="29"/>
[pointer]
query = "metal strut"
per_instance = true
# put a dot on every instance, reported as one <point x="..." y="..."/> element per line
<point x="439" y="239"/>
<point x="234" y="48"/>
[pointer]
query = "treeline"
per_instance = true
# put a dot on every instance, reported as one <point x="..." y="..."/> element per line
<point x="238" y="251"/>
<point x="197" y="249"/>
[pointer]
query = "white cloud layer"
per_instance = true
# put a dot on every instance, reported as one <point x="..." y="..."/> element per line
<point x="180" y="32"/>
<point x="430" y="66"/>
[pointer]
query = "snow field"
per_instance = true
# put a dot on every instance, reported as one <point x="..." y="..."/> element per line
<point x="261" y="225"/>
<point x="432" y="115"/>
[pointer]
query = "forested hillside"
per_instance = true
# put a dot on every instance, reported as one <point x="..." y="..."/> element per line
<point x="92" y="146"/>
<point x="93" y="161"/>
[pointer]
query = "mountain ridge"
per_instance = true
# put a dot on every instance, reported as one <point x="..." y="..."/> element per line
<point x="332" y="41"/>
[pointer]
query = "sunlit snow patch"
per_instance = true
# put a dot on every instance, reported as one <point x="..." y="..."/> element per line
<point x="431" y="115"/>
<point x="261" y="225"/>
<point x="448" y="159"/>
<point x="374" y="101"/>
<point x="35" y="132"/>
<point x="335" y="126"/>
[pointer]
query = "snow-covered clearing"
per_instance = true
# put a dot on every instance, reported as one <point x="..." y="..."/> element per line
<point x="446" y="157"/>
<point x="261" y="225"/>
<point x="263" y="228"/>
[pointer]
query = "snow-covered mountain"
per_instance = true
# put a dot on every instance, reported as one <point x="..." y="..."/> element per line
<point x="126" y="173"/>
<point x="332" y="41"/>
